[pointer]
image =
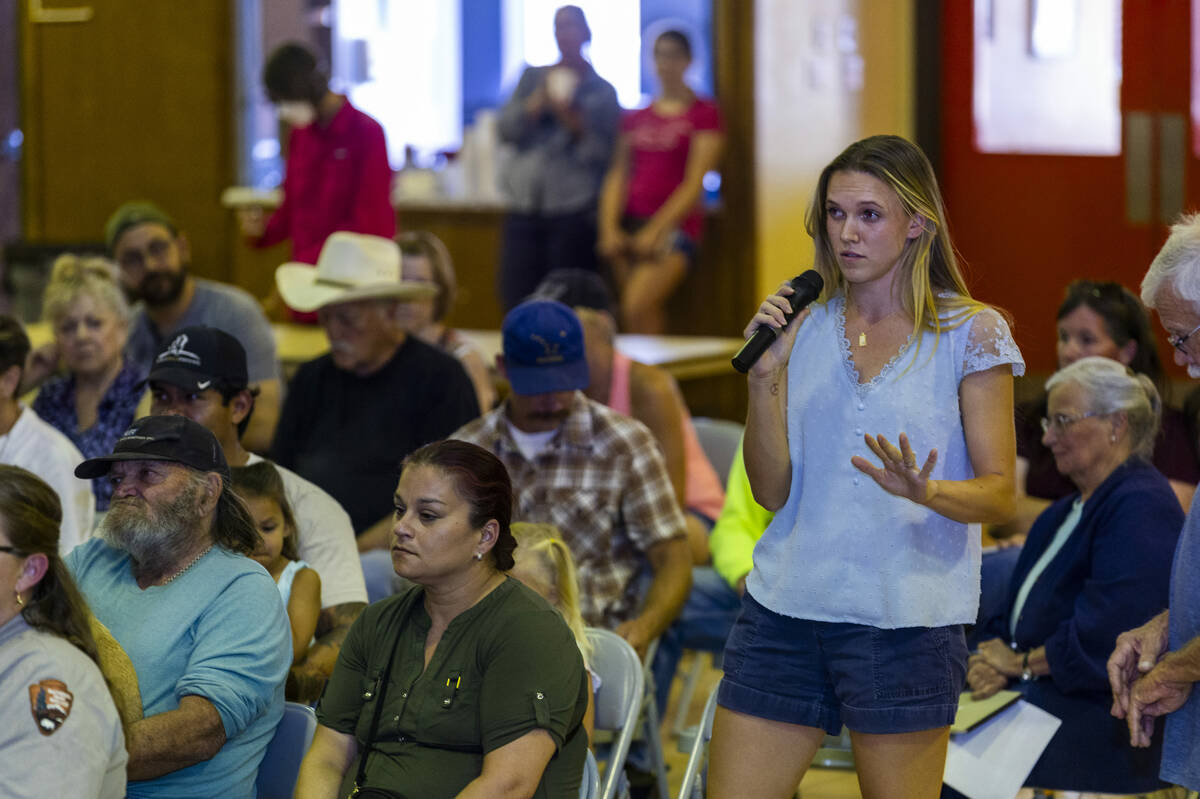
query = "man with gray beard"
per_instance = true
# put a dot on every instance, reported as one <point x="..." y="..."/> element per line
<point x="202" y="623"/>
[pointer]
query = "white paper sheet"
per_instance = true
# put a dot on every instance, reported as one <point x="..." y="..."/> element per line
<point x="992" y="760"/>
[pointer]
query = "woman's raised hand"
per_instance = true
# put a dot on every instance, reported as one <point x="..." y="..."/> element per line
<point x="772" y="313"/>
<point x="899" y="474"/>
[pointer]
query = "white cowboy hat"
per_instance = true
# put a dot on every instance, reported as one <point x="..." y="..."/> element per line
<point x="352" y="266"/>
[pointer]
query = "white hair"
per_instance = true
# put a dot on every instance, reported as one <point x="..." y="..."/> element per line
<point x="1113" y="387"/>
<point x="1177" y="264"/>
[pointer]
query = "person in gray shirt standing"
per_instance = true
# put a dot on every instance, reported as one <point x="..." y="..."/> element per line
<point x="562" y="119"/>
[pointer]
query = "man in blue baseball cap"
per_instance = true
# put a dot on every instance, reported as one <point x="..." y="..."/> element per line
<point x="596" y="475"/>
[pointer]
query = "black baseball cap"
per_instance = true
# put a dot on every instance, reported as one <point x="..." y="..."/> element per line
<point x="162" y="438"/>
<point x="201" y="357"/>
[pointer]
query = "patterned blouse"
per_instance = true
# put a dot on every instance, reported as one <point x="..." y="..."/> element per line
<point x="55" y="403"/>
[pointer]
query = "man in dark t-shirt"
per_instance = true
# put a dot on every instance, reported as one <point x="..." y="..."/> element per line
<point x="352" y="415"/>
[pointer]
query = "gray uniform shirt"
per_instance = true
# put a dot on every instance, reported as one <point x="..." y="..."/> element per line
<point x="61" y="734"/>
<point x="555" y="171"/>
<point x="218" y="305"/>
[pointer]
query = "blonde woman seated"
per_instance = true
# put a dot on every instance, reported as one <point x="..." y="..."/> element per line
<point x="468" y="684"/>
<point x="543" y="561"/>
<point x="94" y="400"/>
<point x="1097" y="562"/>
<point x="426" y="260"/>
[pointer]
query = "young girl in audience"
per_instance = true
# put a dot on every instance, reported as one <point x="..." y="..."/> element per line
<point x="300" y="586"/>
<point x="544" y="563"/>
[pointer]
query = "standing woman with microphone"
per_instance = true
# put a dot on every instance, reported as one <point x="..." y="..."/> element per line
<point x="880" y="431"/>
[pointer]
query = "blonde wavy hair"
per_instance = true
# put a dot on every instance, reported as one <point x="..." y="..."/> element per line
<point x="938" y="298"/>
<point x="75" y="276"/>
<point x="544" y="541"/>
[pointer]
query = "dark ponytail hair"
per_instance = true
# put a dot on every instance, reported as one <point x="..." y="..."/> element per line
<point x="1125" y="320"/>
<point x="31" y="516"/>
<point x="481" y="479"/>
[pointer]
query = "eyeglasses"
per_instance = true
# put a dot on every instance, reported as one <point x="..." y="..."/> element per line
<point x="1062" y="422"/>
<point x="12" y="551"/>
<point x="1178" y="341"/>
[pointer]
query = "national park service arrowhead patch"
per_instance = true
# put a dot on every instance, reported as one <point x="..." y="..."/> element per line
<point x="50" y="703"/>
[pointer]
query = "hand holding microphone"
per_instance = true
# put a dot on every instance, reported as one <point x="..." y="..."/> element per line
<point x="805" y="288"/>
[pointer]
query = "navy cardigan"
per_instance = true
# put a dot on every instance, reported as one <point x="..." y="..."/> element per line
<point x="1111" y="575"/>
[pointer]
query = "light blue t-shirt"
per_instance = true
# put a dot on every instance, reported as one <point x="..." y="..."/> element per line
<point x="842" y="549"/>
<point x="218" y="631"/>
<point x="1181" y="745"/>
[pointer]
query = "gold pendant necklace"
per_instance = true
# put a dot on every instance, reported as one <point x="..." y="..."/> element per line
<point x="862" y="334"/>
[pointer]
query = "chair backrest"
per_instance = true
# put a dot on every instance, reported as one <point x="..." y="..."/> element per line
<point x="691" y="787"/>
<point x="589" y="788"/>
<point x="281" y="764"/>
<point x="719" y="438"/>
<point x="622" y="684"/>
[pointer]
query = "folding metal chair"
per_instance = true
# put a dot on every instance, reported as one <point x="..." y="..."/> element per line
<point x="589" y="788"/>
<point x="650" y="724"/>
<point x="719" y="438"/>
<point x="618" y="702"/>
<point x="693" y="782"/>
<point x="281" y="764"/>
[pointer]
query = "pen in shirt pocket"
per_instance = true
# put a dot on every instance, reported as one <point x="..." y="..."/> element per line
<point x="453" y="682"/>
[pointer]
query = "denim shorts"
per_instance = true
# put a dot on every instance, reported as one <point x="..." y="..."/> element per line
<point x="826" y="674"/>
<point x="679" y="241"/>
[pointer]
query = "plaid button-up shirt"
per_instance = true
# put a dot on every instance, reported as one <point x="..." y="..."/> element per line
<point x="603" y="482"/>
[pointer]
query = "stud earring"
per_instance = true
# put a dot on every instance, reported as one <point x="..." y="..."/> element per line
<point x="478" y="556"/>
<point x="20" y="599"/>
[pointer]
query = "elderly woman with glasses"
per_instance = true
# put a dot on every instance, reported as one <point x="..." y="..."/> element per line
<point x="1097" y="562"/>
<point x="1098" y="318"/>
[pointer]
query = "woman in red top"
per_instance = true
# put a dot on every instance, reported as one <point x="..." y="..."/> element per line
<point x="650" y="219"/>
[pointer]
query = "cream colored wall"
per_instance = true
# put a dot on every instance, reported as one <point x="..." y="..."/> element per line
<point x="827" y="73"/>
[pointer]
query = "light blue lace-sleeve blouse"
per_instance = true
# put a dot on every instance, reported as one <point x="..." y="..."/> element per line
<point x="843" y="549"/>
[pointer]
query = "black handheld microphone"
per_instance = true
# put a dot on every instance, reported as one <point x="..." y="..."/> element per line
<point x="805" y="288"/>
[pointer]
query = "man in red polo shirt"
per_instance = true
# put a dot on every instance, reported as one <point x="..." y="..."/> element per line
<point x="338" y="176"/>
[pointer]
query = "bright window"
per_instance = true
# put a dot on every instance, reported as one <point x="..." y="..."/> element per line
<point x="400" y="61"/>
<point x="1048" y="77"/>
<point x="615" y="51"/>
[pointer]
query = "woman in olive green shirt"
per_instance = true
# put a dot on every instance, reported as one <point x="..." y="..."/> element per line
<point x="482" y="686"/>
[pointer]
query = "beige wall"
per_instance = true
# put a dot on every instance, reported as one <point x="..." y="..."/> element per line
<point x="827" y="72"/>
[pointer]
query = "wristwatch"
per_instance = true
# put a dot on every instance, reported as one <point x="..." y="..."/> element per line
<point x="1026" y="673"/>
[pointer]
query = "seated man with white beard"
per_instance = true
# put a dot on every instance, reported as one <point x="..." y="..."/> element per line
<point x="202" y="624"/>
